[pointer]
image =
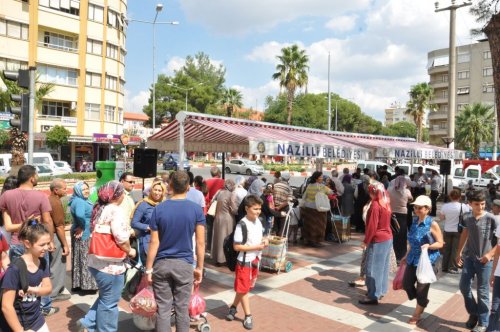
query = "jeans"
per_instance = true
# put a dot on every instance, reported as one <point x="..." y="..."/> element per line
<point x="473" y="267"/>
<point x="46" y="301"/>
<point x="103" y="315"/>
<point x="401" y="237"/>
<point x="172" y="282"/>
<point x="451" y="240"/>
<point x="494" y="324"/>
<point x="377" y="268"/>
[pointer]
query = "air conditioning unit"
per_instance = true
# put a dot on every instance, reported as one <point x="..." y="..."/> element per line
<point x="45" y="128"/>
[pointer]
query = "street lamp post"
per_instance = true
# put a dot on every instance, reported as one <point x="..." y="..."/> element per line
<point x="110" y="138"/>
<point x="453" y="66"/>
<point x="159" y="8"/>
<point x="447" y="141"/>
<point x="186" y="90"/>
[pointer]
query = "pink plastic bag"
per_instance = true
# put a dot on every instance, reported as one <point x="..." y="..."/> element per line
<point x="144" y="303"/>
<point x="397" y="283"/>
<point x="143" y="284"/>
<point x="196" y="303"/>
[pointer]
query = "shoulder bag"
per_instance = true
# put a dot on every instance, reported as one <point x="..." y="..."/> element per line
<point x="213" y="205"/>
<point x="104" y="246"/>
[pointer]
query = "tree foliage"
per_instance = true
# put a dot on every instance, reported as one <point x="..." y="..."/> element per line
<point x="475" y="125"/>
<point x="401" y="129"/>
<point x="231" y="98"/>
<point x="4" y="137"/>
<point x="57" y="137"/>
<point x="291" y="73"/>
<point x="420" y="100"/>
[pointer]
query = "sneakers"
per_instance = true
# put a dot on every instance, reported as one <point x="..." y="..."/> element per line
<point x="50" y="312"/>
<point x="232" y="314"/>
<point x="471" y="322"/>
<point x="479" y="328"/>
<point x="248" y="322"/>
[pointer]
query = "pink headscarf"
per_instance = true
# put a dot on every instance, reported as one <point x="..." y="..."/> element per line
<point x="378" y="193"/>
<point x="107" y="193"/>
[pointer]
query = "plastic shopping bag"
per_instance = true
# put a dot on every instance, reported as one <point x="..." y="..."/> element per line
<point x="145" y="323"/>
<point x="397" y="283"/>
<point x="196" y="303"/>
<point x="425" y="272"/>
<point x="144" y="303"/>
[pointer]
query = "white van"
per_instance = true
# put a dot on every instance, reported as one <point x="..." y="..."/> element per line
<point x="473" y="172"/>
<point x="38" y="159"/>
<point x="373" y="165"/>
<point x="427" y="168"/>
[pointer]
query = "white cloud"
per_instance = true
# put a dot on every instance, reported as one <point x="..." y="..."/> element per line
<point x="135" y="103"/>
<point x="175" y="63"/>
<point x="342" y="23"/>
<point x="255" y="97"/>
<point x="268" y="51"/>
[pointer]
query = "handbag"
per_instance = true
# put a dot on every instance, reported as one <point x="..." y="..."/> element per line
<point x="395" y="227"/>
<point x="213" y="205"/>
<point x="322" y="202"/>
<point x="104" y="246"/>
<point x="397" y="283"/>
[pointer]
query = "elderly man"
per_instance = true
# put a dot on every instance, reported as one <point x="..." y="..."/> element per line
<point x="282" y="194"/>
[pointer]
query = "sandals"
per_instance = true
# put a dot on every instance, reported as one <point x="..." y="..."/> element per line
<point x="356" y="283"/>
<point x="414" y="320"/>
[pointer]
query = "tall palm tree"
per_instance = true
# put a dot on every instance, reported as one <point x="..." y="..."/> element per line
<point x="420" y="100"/>
<point x="291" y="72"/>
<point x="475" y="124"/>
<point x="231" y="98"/>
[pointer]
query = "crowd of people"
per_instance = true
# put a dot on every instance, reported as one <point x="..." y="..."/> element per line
<point x="182" y="219"/>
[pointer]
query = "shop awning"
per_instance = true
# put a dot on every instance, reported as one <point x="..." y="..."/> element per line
<point x="209" y="133"/>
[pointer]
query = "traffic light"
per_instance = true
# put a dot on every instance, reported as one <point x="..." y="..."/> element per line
<point x="22" y="110"/>
<point x="21" y="77"/>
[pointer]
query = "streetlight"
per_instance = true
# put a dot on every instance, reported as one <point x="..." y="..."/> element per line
<point x="159" y="8"/>
<point x="110" y="138"/>
<point x="447" y="141"/>
<point x="186" y="90"/>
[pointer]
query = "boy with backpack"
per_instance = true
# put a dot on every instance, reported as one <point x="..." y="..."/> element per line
<point x="247" y="266"/>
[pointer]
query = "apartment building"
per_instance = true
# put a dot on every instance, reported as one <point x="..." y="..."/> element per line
<point x="474" y="83"/>
<point x="79" y="46"/>
<point x="133" y="125"/>
<point x="397" y="113"/>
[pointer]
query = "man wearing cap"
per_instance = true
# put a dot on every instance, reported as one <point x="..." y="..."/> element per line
<point x="282" y="194"/>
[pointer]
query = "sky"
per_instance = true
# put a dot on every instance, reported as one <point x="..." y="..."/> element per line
<point x="378" y="48"/>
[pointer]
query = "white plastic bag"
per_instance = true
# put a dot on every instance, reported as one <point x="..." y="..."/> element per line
<point x="144" y="323"/>
<point x="322" y="202"/>
<point x="425" y="272"/>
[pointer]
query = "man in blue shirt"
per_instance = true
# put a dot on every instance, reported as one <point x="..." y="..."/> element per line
<point x="170" y="262"/>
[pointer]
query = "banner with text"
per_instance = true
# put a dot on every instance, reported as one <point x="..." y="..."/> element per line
<point x="309" y="150"/>
<point x="415" y="153"/>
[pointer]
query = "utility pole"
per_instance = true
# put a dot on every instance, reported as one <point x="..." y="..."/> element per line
<point x="452" y="72"/>
<point x="31" y="131"/>
<point x="330" y="99"/>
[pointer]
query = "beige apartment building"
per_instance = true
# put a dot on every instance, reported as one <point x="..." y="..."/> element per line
<point x="474" y="83"/>
<point x="80" y="47"/>
<point x="397" y="113"/>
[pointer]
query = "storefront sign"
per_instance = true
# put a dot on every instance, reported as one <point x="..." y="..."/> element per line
<point x="309" y="150"/>
<point x="103" y="138"/>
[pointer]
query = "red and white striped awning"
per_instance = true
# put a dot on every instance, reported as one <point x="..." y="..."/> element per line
<point x="209" y="133"/>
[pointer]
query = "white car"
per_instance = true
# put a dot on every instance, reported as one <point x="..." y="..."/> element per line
<point x="244" y="166"/>
<point x="63" y="166"/>
<point x="46" y="170"/>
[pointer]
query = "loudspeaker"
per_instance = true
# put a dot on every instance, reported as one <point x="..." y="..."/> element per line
<point x="145" y="163"/>
<point x="445" y="166"/>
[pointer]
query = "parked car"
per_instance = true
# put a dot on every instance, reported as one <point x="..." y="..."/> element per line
<point x="427" y="168"/>
<point x="171" y="162"/>
<point x="244" y="166"/>
<point x="374" y="165"/>
<point x="63" y="166"/>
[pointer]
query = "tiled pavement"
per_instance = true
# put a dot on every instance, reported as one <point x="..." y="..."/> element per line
<point x="314" y="296"/>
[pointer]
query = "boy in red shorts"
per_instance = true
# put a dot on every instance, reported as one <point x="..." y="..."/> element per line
<point x="247" y="267"/>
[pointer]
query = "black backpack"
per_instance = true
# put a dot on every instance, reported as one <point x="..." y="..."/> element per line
<point x="23" y="276"/>
<point x="228" y="247"/>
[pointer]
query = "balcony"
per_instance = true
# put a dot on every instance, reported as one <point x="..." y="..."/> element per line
<point x="436" y="130"/>
<point x="54" y="120"/>
<point x="440" y="115"/>
<point x="439" y="84"/>
<point x="437" y="69"/>
<point x="440" y="100"/>
<point x="57" y="56"/>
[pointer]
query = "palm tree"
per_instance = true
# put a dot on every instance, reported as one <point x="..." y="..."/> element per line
<point x="475" y="124"/>
<point x="231" y="98"/>
<point x="291" y="72"/>
<point x="420" y="100"/>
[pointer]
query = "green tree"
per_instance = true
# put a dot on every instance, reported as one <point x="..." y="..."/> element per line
<point x="231" y="98"/>
<point x="475" y="124"/>
<point x="199" y="80"/>
<point x="4" y="138"/>
<point x="57" y="137"/>
<point x="487" y="13"/>
<point x="291" y="72"/>
<point x="401" y="129"/>
<point x="420" y="100"/>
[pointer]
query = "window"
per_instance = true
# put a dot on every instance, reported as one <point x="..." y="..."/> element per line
<point x="472" y="173"/>
<point x="109" y="113"/>
<point x="460" y="107"/>
<point x="111" y="51"/>
<point x="66" y="6"/>
<point x="58" y="41"/>
<point x="443" y="108"/>
<point x="464" y="57"/>
<point x="93" y="79"/>
<point x="459" y="172"/>
<point x="488" y="88"/>
<point x="443" y="125"/>
<point x="56" y="108"/>
<point x="120" y="115"/>
<point x="92" y="111"/>
<point x="488" y="71"/>
<point x="122" y="55"/>
<point x="463" y="74"/>
<point x="9" y="64"/>
<point x="463" y="91"/>
<point x="121" y="86"/>
<point x="444" y="78"/>
<point x="58" y="75"/>
<point x="96" y="13"/>
<point x="487" y="55"/>
<point x="444" y="94"/>
<point x="94" y="46"/>
<point x="110" y="82"/>
<point x="13" y="29"/>
<point x="113" y="18"/>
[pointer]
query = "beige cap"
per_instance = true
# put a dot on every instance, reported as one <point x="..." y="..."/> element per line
<point x="423" y="200"/>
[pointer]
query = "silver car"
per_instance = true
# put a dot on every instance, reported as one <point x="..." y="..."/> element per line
<point x="244" y="166"/>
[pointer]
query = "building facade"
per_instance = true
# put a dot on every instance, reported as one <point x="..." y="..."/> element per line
<point x="79" y="46"/>
<point x="397" y="113"/>
<point x="133" y="125"/>
<point x="474" y="83"/>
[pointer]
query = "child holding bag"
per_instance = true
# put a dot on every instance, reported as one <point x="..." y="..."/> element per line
<point x="421" y="229"/>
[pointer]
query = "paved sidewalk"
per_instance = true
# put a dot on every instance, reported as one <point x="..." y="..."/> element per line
<point x="314" y="296"/>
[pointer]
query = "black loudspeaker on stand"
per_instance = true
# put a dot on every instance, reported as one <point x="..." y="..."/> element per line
<point x="445" y="166"/>
<point x="145" y="163"/>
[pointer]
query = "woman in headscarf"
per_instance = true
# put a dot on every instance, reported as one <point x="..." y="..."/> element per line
<point x="314" y="220"/>
<point x="224" y="222"/>
<point x="81" y="210"/>
<point x="361" y="198"/>
<point x="377" y="243"/>
<point x="400" y="195"/>
<point x="240" y="190"/>
<point x="142" y="214"/>
<point x="108" y="218"/>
